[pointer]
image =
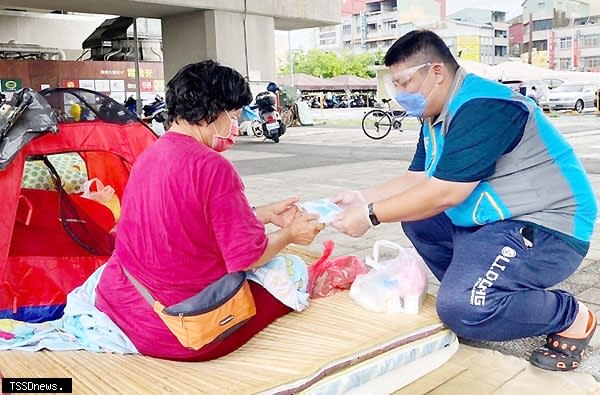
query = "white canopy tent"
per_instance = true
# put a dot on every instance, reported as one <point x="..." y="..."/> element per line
<point x="523" y="71"/>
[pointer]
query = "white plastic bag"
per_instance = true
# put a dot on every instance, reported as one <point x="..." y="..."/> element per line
<point x="397" y="285"/>
<point x="104" y="194"/>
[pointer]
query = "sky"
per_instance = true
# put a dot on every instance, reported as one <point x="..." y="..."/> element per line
<point x="512" y="7"/>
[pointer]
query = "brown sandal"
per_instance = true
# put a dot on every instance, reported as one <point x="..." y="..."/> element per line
<point x="562" y="353"/>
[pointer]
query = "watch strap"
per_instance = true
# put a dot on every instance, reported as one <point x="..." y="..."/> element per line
<point x="372" y="216"/>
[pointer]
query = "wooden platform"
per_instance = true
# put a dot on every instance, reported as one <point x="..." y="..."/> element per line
<point x="333" y="333"/>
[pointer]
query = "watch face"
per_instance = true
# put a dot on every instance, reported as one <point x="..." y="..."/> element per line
<point x="372" y="216"/>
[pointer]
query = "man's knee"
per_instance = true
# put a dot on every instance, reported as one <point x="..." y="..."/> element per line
<point x="436" y="228"/>
<point x="466" y="320"/>
<point x="416" y="229"/>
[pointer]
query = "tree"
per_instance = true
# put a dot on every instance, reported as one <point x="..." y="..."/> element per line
<point x="361" y="64"/>
<point x="324" y="64"/>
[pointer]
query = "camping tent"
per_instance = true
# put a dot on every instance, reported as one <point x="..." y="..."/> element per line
<point x="481" y="69"/>
<point x="521" y="71"/>
<point x="51" y="240"/>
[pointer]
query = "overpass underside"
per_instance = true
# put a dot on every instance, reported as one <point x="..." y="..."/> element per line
<point x="238" y="33"/>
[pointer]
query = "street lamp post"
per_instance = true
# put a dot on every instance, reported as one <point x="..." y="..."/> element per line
<point x="136" y="54"/>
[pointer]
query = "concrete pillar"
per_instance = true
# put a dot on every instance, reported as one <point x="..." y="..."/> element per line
<point x="219" y="35"/>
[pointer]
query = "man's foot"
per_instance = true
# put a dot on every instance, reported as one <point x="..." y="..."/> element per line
<point x="563" y="352"/>
<point x="580" y="325"/>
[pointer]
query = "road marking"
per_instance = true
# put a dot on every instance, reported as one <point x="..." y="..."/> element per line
<point x="586" y="133"/>
<point x="234" y="155"/>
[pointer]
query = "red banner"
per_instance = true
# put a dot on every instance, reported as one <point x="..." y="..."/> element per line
<point x="146" y="86"/>
<point x="575" y="53"/>
<point x="551" y="51"/>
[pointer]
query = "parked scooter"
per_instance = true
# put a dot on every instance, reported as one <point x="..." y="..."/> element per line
<point x="249" y="120"/>
<point x="150" y="111"/>
<point x="272" y="125"/>
<point x="154" y="114"/>
<point x="156" y="108"/>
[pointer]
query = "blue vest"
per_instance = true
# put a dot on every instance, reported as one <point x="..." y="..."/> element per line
<point x="541" y="180"/>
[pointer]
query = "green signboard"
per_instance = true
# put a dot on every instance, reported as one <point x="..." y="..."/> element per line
<point x="10" y="85"/>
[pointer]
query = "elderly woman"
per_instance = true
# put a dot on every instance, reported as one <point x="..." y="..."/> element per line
<point x="186" y="222"/>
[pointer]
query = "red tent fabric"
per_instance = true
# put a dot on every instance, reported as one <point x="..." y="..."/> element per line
<point x="39" y="263"/>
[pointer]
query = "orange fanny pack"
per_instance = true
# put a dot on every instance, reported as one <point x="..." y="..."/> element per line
<point x="212" y="314"/>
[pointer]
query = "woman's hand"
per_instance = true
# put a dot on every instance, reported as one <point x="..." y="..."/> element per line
<point x="280" y="213"/>
<point x="303" y="229"/>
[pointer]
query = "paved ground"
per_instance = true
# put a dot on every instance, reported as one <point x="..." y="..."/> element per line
<point x="320" y="161"/>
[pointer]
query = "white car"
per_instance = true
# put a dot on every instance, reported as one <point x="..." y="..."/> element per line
<point x="570" y="96"/>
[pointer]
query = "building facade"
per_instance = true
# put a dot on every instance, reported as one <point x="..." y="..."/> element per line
<point x="469" y="38"/>
<point x="542" y="16"/>
<point x="562" y="34"/>
<point x="239" y="34"/>
<point x="575" y="48"/>
<point x="373" y="25"/>
<point x="515" y="36"/>
<point x="478" y="35"/>
<point x="474" y="34"/>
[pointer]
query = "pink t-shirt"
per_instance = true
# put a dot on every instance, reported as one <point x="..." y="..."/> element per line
<point x="185" y="222"/>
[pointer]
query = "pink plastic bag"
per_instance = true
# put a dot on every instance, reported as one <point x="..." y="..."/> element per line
<point x="328" y="276"/>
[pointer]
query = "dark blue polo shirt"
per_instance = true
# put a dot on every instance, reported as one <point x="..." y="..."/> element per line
<point x="479" y="134"/>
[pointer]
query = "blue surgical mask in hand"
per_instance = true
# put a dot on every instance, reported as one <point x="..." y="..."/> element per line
<point x="324" y="208"/>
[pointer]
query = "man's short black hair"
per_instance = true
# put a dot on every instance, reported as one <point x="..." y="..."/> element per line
<point x="201" y="91"/>
<point x="422" y="46"/>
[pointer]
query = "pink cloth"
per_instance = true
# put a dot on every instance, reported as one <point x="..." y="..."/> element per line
<point x="185" y="222"/>
<point x="6" y="335"/>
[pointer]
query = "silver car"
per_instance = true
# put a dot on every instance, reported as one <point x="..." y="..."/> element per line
<point x="570" y="96"/>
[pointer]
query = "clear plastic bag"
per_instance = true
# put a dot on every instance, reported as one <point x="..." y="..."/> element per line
<point x="328" y="276"/>
<point x="396" y="285"/>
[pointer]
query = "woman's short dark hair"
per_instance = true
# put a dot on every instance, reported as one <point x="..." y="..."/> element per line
<point x="422" y="46"/>
<point x="201" y="91"/>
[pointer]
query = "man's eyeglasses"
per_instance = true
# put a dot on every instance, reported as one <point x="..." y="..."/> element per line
<point x="401" y="79"/>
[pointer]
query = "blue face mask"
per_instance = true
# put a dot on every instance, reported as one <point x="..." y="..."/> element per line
<point x="413" y="102"/>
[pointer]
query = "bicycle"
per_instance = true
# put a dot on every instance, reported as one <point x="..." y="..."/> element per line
<point x="378" y="123"/>
<point x="288" y="114"/>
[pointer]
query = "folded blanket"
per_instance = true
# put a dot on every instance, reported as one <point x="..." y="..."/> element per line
<point x="82" y="327"/>
<point x="286" y="278"/>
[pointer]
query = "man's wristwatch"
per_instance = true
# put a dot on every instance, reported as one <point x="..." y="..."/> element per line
<point x="372" y="217"/>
